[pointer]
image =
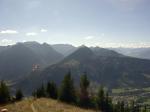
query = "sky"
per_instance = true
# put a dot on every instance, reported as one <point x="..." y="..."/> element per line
<point x="104" y="23"/>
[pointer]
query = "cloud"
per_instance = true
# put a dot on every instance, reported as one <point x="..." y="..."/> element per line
<point x="8" y="32"/>
<point x="43" y="30"/>
<point x="88" y="37"/>
<point x="5" y="42"/>
<point x="31" y="34"/>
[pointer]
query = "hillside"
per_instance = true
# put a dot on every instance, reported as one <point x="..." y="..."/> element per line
<point x="45" y="52"/>
<point x="42" y="105"/>
<point x="105" y="52"/>
<point x="18" y="60"/>
<point x="112" y="71"/>
<point x="2" y="48"/>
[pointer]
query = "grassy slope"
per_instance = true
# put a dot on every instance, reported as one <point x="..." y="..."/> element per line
<point x="42" y="105"/>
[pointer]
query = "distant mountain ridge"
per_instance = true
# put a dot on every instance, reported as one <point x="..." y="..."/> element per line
<point x="106" y="52"/>
<point x="18" y="60"/>
<point x="143" y="53"/>
<point x="103" y="66"/>
<point x="109" y="70"/>
<point x="112" y="71"/>
<point x="46" y="53"/>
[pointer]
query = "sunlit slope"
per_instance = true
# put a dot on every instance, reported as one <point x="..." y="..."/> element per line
<point x="42" y="105"/>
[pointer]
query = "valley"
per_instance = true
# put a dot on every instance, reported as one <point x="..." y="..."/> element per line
<point x="140" y="96"/>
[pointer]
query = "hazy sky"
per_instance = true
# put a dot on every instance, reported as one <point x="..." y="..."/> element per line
<point x="91" y="22"/>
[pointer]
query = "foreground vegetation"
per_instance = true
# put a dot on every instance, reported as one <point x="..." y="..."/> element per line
<point x="67" y="93"/>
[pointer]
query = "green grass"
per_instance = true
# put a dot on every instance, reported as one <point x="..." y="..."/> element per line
<point x="119" y="90"/>
<point x="147" y="101"/>
<point x="125" y="90"/>
<point x="147" y="89"/>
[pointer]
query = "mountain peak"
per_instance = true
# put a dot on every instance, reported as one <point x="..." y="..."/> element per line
<point x="105" y="52"/>
<point x="83" y="45"/>
<point x="33" y="42"/>
<point x="46" y="44"/>
<point x="84" y="50"/>
<point x="82" y="53"/>
<point x="19" y="46"/>
<point x="65" y="49"/>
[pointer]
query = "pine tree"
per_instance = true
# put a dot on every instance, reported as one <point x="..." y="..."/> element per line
<point x="118" y="106"/>
<point x="144" y="109"/>
<point x="4" y="93"/>
<point x="19" y="95"/>
<point x="52" y="90"/>
<point x="40" y="92"/>
<point x="132" y="107"/>
<point x="84" y="94"/>
<point x="108" y="103"/>
<point x="101" y="99"/>
<point x="122" y="107"/>
<point x="67" y="91"/>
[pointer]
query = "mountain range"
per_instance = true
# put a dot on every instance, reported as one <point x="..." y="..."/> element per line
<point x="18" y="60"/>
<point x="103" y="66"/>
<point x="143" y="53"/>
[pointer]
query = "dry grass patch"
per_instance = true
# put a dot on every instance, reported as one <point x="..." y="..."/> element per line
<point x="49" y="105"/>
<point x="42" y="105"/>
<point x="23" y="106"/>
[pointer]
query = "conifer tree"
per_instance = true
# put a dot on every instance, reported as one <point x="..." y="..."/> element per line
<point x="101" y="99"/>
<point x="4" y="92"/>
<point x="132" y="106"/>
<point x="40" y="92"/>
<point x="52" y="90"/>
<point x="67" y="91"/>
<point x="19" y="95"/>
<point x="122" y="107"/>
<point x="84" y="100"/>
<point x="108" y="103"/>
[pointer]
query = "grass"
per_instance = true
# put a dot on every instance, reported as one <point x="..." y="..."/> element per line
<point x="22" y="106"/>
<point x="42" y="105"/>
<point x="125" y="90"/>
<point x="147" y="89"/>
<point x="147" y="102"/>
<point x="119" y="90"/>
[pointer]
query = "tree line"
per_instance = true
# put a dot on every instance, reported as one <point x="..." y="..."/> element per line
<point x="68" y="93"/>
<point x="81" y="97"/>
<point x="6" y="97"/>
